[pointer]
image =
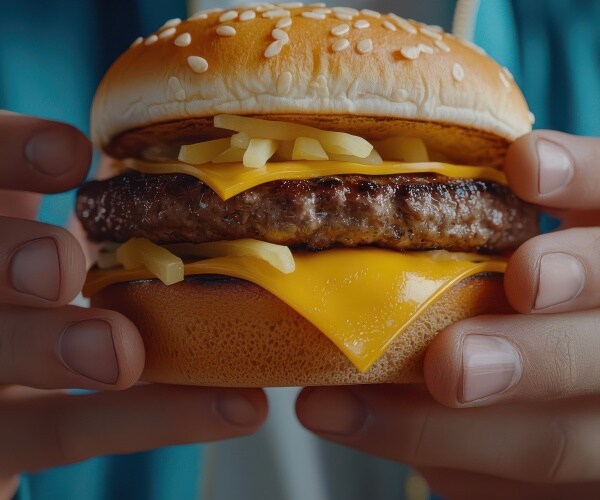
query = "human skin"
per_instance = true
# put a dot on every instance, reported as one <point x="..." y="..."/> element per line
<point x="511" y="404"/>
<point x="47" y="346"/>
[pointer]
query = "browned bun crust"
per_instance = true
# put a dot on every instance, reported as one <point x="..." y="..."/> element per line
<point x="220" y="331"/>
<point x="460" y="145"/>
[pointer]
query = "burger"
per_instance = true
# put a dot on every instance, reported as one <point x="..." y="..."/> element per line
<point x="301" y="195"/>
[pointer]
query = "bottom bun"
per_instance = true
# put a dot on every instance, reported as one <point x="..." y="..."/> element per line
<point x="220" y="331"/>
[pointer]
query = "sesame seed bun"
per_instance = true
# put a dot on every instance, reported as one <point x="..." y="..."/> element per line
<point x="311" y="62"/>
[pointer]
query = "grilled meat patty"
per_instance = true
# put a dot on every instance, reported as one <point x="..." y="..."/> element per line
<point x="416" y="212"/>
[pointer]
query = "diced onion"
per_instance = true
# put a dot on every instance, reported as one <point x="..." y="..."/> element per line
<point x="307" y="148"/>
<point x="230" y="155"/>
<point x="203" y="152"/>
<point x="332" y="142"/>
<point x="141" y="252"/>
<point x="259" y="152"/>
<point x="278" y="256"/>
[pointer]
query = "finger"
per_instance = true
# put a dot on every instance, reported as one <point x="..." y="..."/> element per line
<point x="69" y="347"/>
<point x="40" y="265"/>
<point x="40" y="155"/>
<point x="551" y="442"/>
<point x="460" y="485"/>
<point x="19" y="204"/>
<point x="554" y="169"/>
<point x="496" y="359"/>
<point x="72" y="428"/>
<point x="8" y="486"/>
<point x="555" y="272"/>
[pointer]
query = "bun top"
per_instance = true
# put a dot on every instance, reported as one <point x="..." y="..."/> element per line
<point x="287" y="59"/>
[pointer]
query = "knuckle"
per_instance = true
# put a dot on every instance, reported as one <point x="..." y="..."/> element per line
<point x="562" y="366"/>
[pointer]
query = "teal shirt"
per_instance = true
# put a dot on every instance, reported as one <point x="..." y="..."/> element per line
<point x="52" y="54"/>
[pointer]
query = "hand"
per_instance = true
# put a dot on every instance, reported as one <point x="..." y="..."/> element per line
<point x="46" y="345"/>
<point x="528" y="386"/>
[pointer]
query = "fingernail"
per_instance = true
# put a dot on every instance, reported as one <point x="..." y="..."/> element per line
<point x="236" y="409"/>
<point x="561" y="279"/>
<point x="51" y="151"/>
<point x="555" y="167"/>
<point x="35" y="269"/>
<point x="87" y="348"/>
<point x="491" y="365"/>
<point x="333" y="410"/>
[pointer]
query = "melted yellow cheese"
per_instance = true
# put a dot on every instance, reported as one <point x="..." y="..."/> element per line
<point x="230" y="179"/>
<point x="361" y="299"/>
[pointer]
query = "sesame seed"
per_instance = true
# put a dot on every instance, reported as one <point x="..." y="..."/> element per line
<point x="345" y="10"/>
<point x="183" y="40"/>
<point x="410" y="52"/>
<point x="340" y="30"/>
<point x="226" y="31"/>
<point x="508" y="73"/>
<point x="291" y="5"/>
<point x="272" y="14"/>
<point x="137" y="41"/>
<point x="441" y="45"/>
<point x="458" y="72"/>
<point x="320" y="85"/>
<point x="150" y="40"/>
<point x="168" y="33"/>
<point x="361" y="24"/>
<point x="504" y="80"/>
<point x="370" y="13"/>
<point x="343" y="16"/>
<point x="340" y="45"/>
<point x="203" y="14"/>
<point x="435" y="27"/>
<point x="427" y="49"/>
<point x="286" y="22"/>
<point x="389" y="26"/>
<point x="284" y="83"/>
<point x="403" y="23"/>
<point x="365" y="46"/>
<point x="176" y="89"/>
<point x="431" y="34"/>
<point x="264" y="7"/>
<point x="278" y="34"/>
<point x="197" y="64"/>
<point x="230" y="15"/>
<point x="198" y="16"/>
<point x="172" y="23"/>
<point x="274" y="48"/>
<point x="247" y="15"/>
<point x="313" y="15"/>
<point x="531" y="117"/>
<point x="322" y="11"/>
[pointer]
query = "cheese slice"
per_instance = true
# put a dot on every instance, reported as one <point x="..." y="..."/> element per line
<point x="228" y="180"/>
<point x="361" y="299"/>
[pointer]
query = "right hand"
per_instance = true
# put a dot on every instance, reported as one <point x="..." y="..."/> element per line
<point x="46" y="345"/>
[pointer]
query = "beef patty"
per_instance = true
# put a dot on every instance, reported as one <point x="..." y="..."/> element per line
<point x="417" y="212"/>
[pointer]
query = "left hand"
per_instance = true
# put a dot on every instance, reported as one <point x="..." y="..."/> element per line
<point x="528" y="386"/>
